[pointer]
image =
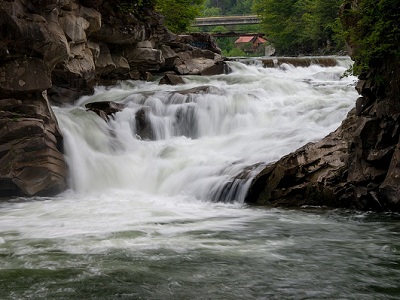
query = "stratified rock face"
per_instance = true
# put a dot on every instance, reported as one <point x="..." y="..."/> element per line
<point x="374" y="152"/>
<point x="357" y="166"/>
<point x="81" y="49"/>
<point x="30" y="159"/>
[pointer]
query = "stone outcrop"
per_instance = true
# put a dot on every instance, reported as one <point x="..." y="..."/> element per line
<point x="31" y="161"/>
<point x="313" y="175"/>
<point x="171" y="79"/>
<point x="358" y="165"/>
<point x="105" y="109"/>
<point x="82" y="49"/>
<point x="53" y="52"/>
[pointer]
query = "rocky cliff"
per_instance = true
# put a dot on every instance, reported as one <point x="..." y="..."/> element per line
<point x="358" y="165"/>
<point x="54" y="51"/>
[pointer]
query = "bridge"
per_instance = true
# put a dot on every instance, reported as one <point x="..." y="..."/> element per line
<point x="226" y="20"/>
<point x="235" y="34"/>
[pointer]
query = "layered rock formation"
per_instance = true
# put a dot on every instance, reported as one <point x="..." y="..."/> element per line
<point x="358" y="165"/>
<point x="54" y="51"/>
<point x="30" y="142"/>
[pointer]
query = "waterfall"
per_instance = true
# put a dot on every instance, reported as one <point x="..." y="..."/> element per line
<point x="206" y="138"/>
<point x="145" y="216"/>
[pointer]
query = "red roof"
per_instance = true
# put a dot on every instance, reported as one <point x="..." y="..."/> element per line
<point x="248" y="39"/>
<point x="244" y="39"/>
<point x="261" y="40"/>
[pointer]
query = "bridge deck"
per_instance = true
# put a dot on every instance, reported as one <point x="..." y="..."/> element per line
<point x="226" y="20"/>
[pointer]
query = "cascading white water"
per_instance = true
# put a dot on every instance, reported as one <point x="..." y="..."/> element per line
<point x="140" y="221"/>
<point x="202" y="140"/>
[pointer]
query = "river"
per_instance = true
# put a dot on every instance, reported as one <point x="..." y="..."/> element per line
<point x="163" y="218"/>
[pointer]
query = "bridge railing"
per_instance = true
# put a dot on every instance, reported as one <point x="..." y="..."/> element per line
<point x="226" y="20"/>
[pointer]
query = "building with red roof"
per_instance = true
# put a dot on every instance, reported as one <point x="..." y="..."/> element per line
<point x="251" y="44"/>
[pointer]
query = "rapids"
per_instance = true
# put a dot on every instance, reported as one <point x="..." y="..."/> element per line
<point x="203" y="140"/>
<point x="163" y="218"/>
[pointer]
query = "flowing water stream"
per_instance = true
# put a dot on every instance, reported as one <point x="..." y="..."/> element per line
<point x="157" y="212"/>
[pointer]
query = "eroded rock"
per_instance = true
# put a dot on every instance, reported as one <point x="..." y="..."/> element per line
<point x="105" y="109"/>
<point x="172" y="79"/>
<point x="23" y="75"/>
<point x="143" y="125"/>
<point x="31" y="162"/>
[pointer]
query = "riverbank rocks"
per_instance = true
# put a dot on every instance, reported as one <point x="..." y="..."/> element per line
<point x="81" y="49"/>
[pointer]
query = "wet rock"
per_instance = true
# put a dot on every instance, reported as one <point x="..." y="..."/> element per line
<point x="144" y="59"/>
<point x="103" y="60"/>
<point x="31" y="34"/>
<point x="169" y="56"/>
<point x="196" y="61"/>
<point x="362" y="105"/>
<point x="216" y="69"/>
<point x="172" y="79"/>
<point x="229" y="192"/>
<point x="312" y="175"/>
<point x="92" y="16"/>
<point x="91" y="3"/>
<point x="204" y="89"/>
<point x="202" y="41"/>
<point x="31" y="162"/>
<point x="390" y="186"/>
<point x="105" y="109"/>
<point x="117" y="35"/>
<point x="23" y="75"/>
<point x="299" y="61"/>
<point x="143" y="125"/>
<point x="74" y="27"/>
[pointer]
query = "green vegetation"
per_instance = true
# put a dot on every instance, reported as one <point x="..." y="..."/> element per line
<point x="227" y="7"/>
<point x="373" y="29"/>
<point x="226" y="44"/>
<point x="179" y="14"/>
<point x="235" y="52"/>
<point x="301" y="26"/>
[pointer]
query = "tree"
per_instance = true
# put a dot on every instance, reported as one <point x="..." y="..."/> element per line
<point x="179" y="14"/>
<point x="235" y="52"/>
<point x="280" y="22"/>
<point x="211" y="12"/>
<point x="373" y="30"/>
<point x="300" y="26"/>
<point x="241" y="7"/>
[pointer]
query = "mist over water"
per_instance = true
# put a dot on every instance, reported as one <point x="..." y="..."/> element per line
<point x="158" y="214"/>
